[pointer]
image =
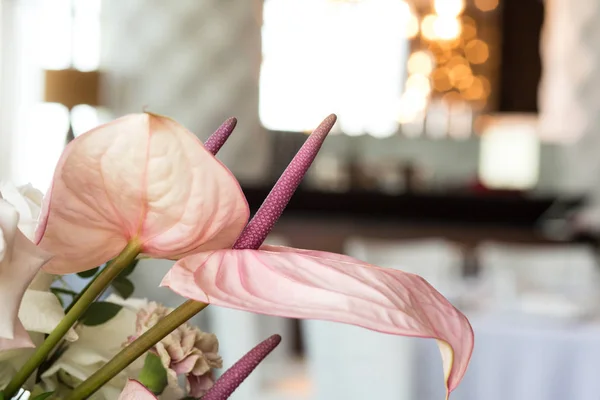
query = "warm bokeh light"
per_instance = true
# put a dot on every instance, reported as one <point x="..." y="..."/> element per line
<point x="411" y="105"/>
<point x="469" y="31"/>
<point x="456" y="60"/>
<point x="427" y="27"/>
<point x="420" y="62"/>
<point x="458" y="73"/>
<point x="412" y="26"/>
<point x="476" y="91"/>
<point x="464" y="82"/>
<point x="419" y="84"/>
<point x="449" y="8"/>
<point x="446" y="28"/>
<point x="486" y="5"/>
<point x="477" y="51"/>
<point x="441" y="80"/>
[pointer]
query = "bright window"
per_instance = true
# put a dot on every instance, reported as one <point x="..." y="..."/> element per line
<point x="323" y="56"/>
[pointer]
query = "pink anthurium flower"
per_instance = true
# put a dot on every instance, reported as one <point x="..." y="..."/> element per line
<point x="141" y="178"/>
<point x="134" y="390"/>
<point x="20" y="261"/>
<point x="298" y="283"/>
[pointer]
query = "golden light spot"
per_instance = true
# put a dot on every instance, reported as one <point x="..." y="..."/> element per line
<point x="486" y="5"/>
<point x="469" y="32"/>
<point x="420" y="62"/>
<point x="458" y="73"/>
<point x="412" y="26"/>
<point x="441" y="80"/>
<point x="449" y="8"/>
<point x="427" y="27"/>
<point x="418" y="83"/>
<point x="477" y="51"/>
<point x="456" y="60"/>
<point x="464" y="82"/>
<point x="475" y="91"/>
<point x="446" y="28"/>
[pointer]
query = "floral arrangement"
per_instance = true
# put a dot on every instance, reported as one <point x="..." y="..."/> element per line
<point x="143" y="186"/>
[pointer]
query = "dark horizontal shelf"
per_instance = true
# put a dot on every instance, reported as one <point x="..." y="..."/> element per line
<point x="464" y="209"/>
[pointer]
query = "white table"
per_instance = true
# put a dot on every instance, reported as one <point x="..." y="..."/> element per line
<point x="519" y="359"/>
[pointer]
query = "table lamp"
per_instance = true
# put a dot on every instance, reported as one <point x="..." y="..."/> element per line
<point x="72" y="87"/>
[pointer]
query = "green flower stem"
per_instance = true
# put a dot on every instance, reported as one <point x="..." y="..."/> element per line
<point x="85" y="289"/>
<point x="104" y="279"/>
<point x="137" y="348"/>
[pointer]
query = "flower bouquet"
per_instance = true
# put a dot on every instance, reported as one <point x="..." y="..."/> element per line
<point x="143" y="186"/>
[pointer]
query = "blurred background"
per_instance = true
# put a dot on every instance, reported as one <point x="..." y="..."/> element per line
<point x="466" y="150"/>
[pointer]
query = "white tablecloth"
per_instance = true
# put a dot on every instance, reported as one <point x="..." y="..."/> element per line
<point x="519" y="359"/>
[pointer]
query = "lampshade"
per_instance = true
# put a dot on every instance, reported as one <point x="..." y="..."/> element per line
<point x="72" y="87"/>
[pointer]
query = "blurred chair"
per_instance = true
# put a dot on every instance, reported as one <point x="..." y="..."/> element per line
<point x="353" y="363"/>
<point x="516" y="272"/>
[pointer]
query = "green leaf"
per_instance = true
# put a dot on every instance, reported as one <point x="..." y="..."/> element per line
<point x="153" y="375"/>
<point x="57" y="290"/>
<point x="1" y="395"/>
<point x="129" y="269"/>
<point x="89" y="273"/>
<point x="124" y="287"/>
<point x="43" y="396"/>
<point x="100" y="312"/>
<point x="60" y="300"/>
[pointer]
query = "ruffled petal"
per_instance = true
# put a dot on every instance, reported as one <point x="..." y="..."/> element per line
<point x="20" y="260"/>
<point x="296" y="283"/>
<point x="42" y="312"/>
<point x="20" y="340"/>
<point x="141" y="177"/>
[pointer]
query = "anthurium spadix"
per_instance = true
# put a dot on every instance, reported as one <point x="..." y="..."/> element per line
<point x="142" y="178"/>
<point x="296" y="283"/>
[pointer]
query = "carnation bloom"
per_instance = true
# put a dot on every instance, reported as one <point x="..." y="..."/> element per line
<point x="186" y="351"/>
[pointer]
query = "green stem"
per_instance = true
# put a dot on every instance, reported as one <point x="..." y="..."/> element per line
<point x="85" y="289"/>
<point x="137" y="348"/>
<point x="93" y="291"/>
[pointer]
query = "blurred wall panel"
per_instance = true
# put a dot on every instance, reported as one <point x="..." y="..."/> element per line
<point x="196" y="61"/>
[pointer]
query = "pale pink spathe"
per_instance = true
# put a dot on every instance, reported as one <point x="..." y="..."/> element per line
<point x="318" y="285"/>
<point x="141" y="177"/>
<point x="134" y="390"/>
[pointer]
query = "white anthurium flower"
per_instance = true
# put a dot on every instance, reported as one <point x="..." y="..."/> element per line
<point x="39" y="311"/>
<point x="95" y="347"/>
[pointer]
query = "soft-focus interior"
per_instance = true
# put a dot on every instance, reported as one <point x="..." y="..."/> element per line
<point x="467" y="150"/>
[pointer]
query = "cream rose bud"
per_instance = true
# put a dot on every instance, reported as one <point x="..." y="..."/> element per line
<point x="27" y="200"/>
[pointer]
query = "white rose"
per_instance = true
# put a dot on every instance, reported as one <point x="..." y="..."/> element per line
<point x="24" y="289"/>
<point x="94" y="348"/>
<point x="28" y="202"/>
